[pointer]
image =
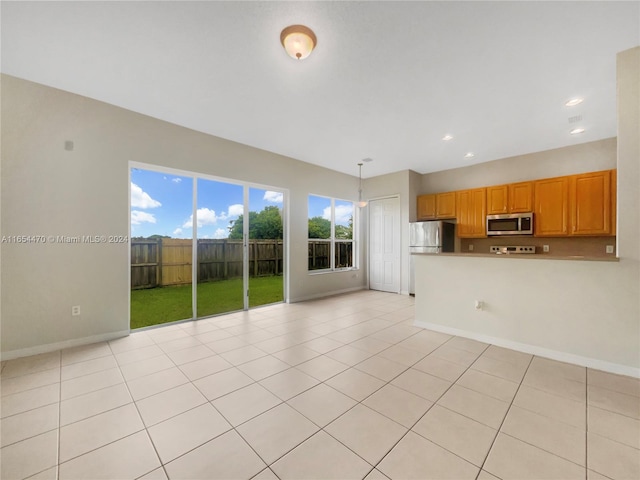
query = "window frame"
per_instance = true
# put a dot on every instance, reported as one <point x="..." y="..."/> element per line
<point x="333" y="241"/>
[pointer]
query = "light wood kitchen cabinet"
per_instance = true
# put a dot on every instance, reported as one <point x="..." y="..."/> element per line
<point x="497" y="199"/>
<point x="426" y="207"/>
<point x="511" y="198"/>
<point x="551" y="207"/>
<point x="520" y="197"/>
<point x="471" y="213"/>
<point x="436" y="205"/>
<point x="590" y="203"/>
<point x="446" y="205"/>
<point x="614" y="201"/>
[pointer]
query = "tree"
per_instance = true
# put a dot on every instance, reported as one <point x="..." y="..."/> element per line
<point x="319" y="227"/>
<point x="266" y="224"/>
<point x="155" y="236"/>
<point x="343" y="232"/>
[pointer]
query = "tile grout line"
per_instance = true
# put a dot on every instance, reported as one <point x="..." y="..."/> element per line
<point x="146" y="430"/>
<point x="506" y="414"/>
<point x="59" y="421"/>
<point x="429" y="409"/>
<point x="377" y="354"/>
<point x="321" y="382"/>
<point x="586" y="423"/>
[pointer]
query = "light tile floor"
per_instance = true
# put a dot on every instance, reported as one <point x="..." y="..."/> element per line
<point x="344" y="387"/>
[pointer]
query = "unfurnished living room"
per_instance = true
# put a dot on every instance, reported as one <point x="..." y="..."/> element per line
<point x="320" y="240"/>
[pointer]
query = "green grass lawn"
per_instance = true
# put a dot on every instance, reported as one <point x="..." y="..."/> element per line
<point x="168" y="304"/>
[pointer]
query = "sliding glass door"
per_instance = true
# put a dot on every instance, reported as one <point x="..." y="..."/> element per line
<point x="236" y="260"/>
<point x="220" y="255"/>
<point x="161" y="248"/>
<point x="265" y="246"/>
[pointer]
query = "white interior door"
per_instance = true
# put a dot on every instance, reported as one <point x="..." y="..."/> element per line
<point x="384" y="244"/>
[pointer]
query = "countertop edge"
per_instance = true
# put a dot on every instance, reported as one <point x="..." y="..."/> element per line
<point x="524" y="256"/>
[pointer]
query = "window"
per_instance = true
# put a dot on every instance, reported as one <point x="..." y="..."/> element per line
<point x="331" y="234"/>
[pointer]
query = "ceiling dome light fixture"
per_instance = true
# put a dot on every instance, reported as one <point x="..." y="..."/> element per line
<point x="447" y="137"/>
<point x="361" y="203"/>
<point x="470" y="155"/>
<point x="576" y="131"/>
<point x="298" y="41"/>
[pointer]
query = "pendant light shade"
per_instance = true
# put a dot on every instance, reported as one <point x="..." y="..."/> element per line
<point x="298" y="41"/>
<point x="361" y="203"/>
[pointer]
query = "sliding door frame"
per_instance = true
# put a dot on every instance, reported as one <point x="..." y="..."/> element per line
<point x="195" y="176"/>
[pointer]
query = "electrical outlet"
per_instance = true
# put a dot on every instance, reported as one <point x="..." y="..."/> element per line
<point x="609" y="248"/>
<point x="75" y="310"/>
<point x="471" y="247"/>
<point x="545" y="248"/>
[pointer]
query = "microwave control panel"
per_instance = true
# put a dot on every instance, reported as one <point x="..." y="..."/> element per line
<point x="512" y="249"/>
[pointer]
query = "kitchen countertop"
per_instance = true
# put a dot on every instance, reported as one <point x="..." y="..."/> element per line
<point x="535" y="256"/>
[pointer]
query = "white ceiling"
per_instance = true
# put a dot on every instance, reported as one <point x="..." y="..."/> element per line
<point x="387" y="80"/>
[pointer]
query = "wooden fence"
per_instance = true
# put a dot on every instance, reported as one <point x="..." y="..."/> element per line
<point x="168" y="261"/>
<point x="319" y="256"/>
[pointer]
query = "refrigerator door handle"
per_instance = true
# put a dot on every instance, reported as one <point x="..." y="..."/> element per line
<point x="438" y="235"/>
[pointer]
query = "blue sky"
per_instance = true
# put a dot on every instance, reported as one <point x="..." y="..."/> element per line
<point x="321" y="207"/>
<point x="161" y="204"/>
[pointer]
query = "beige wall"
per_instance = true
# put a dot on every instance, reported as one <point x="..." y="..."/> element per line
<point x="576" y="311"/>
<point x="586" y="157"/>
<point x="47" y="190"/>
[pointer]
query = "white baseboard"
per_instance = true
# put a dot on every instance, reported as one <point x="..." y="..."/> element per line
<point x="52" y="347"/>
<point x="536" y="350"/>
<point x="332" y="293"/>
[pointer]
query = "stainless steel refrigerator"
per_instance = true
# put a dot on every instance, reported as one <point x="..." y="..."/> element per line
<point x="429" y="237"/>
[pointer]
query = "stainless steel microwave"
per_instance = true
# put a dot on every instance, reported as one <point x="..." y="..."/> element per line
<point x="510" y="224"/>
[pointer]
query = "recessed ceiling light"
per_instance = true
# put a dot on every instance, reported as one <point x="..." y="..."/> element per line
<point x="470" y="155"/>
<point x="575" y="131"/>
<point x="447" y="137"/>
<point x="574" y="101"/>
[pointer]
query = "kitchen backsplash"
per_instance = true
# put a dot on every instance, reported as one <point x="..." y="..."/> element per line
<point x="559" y="247"/>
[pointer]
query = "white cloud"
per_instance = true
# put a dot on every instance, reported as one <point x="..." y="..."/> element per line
<point x="141" y="199"/>
<point x="177" y="232"/>
<point x="235" y="210"/>
<point x="221" y="233"/>
<point x="273" y="197"/>
<point x="138" y="217"/>
<point x="205" y="216"/>
<point x="176" y="180"/>
<point x="343" y="214"/>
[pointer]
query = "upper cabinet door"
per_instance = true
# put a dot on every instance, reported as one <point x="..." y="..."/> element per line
<point x="591" y="203"/>
<point x="446" y="205"/>
<point x="472" y="213"/>
<point x="426" y="207"/>
<point x="521" y="197"/>
<point x="497" y="199"/>
<point x="479" y="214"/>
<point x="551" y="207"/>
